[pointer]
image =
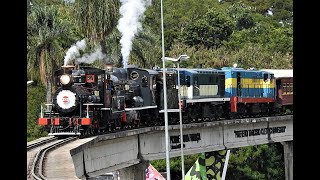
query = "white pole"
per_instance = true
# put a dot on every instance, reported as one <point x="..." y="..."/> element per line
<point x="165" y="99"/>
<point x="180" y="116"/>
<point x="225" y="166"/>
<point x="41" y="111"/>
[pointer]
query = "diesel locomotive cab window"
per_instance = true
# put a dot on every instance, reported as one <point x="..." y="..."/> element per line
<point x="272" y="78"/>
<point x="153" y="83"/>
<point x="195" y="79"/>
<point x="265" y="77"/>
<point x="182" y="78"/>
<point x="188" y="81"/>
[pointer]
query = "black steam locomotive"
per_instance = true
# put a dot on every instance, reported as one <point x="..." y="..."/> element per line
<point x="88" y="100"/>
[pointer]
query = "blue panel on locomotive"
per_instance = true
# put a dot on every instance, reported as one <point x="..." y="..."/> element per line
<point x="248" y="83"/>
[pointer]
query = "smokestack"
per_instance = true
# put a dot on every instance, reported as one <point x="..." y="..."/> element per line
<point x="108" y="67"/>
<point x="67" y="68"/>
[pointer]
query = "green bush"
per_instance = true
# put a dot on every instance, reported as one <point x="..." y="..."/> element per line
<point x="35" y="96"/>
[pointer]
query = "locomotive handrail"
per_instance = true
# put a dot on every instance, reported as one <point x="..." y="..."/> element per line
<point x="169" y="110"/>
<point x="93" y="104"/>
<point x="106" y="108"/>
<point x="140" y="108"/>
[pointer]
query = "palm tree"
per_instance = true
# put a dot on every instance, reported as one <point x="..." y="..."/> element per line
<point x="45" y="36"/>
<point x="97" y="19"/>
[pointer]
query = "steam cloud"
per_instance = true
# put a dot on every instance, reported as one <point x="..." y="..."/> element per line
<point x="90" y="58"/>
<point x="73" y="51"/>
<point x="132" y="12"/>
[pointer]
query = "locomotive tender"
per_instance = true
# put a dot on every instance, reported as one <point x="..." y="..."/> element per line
<point x="90" y="100"/>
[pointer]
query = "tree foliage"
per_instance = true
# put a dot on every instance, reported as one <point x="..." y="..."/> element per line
<point x="209" y="31"/>
<point x="178" y="14"/>
<point x="257" y="162"/>
<point x="35" y="97"/>
<point x="97" y="18"/>
<point x="143" y="57"/>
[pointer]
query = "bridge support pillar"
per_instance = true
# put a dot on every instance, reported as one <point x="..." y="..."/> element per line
<point x="288" y="159"/>
<point x="135" y="172"/>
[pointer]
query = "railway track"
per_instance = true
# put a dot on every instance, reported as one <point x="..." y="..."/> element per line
<point x="36" y="169"/>
<point x="40" y="143"/>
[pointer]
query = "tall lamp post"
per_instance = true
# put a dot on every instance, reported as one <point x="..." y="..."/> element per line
<point x="181" y="58"/>
<point x="165" y="99"/>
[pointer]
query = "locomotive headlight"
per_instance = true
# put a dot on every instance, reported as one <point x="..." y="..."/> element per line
<point x="65" y="79"/>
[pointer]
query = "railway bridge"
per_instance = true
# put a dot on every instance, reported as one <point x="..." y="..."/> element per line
<point x="129" y="151"/>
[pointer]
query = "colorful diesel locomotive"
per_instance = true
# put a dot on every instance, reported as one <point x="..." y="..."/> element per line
<point x="88" y="100"/>
<point x="211" y="94"/>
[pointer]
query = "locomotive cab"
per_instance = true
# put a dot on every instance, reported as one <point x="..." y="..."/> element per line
<point x="143" y="87"/>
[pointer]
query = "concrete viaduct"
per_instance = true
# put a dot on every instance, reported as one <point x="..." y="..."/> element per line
<point x="130" y="151"/>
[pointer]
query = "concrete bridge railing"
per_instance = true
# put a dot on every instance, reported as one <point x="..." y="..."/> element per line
<point x="120" y="150"/>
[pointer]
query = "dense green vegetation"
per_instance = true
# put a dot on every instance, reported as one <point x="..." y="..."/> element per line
<point x="257" y="162"/>
<point x="214" y="34"/>
<point x="35" y="96"/>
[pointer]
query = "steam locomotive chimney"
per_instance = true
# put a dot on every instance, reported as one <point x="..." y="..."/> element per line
<point x="67" y="68"/>
<point x="108" y="67"/>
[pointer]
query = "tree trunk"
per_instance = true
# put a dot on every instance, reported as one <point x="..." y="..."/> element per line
<point x="42" y="67"/>
<point x="49" y="95"/>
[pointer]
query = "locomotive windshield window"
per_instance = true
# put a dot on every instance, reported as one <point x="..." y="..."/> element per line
<point x="153" y="83"/>
<point x="265" y="77"/>
<point x="182" y="78"/>
<point x="272" y="78"/>
<point x="144" y="81"/>
<point x="195" y="79"/>
<point x="188" y="81"/>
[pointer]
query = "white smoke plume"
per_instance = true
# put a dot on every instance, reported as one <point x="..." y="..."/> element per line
<point x="90" y="58"/>
<point x="132" y="11"/>
<point x="73" y="51"/>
